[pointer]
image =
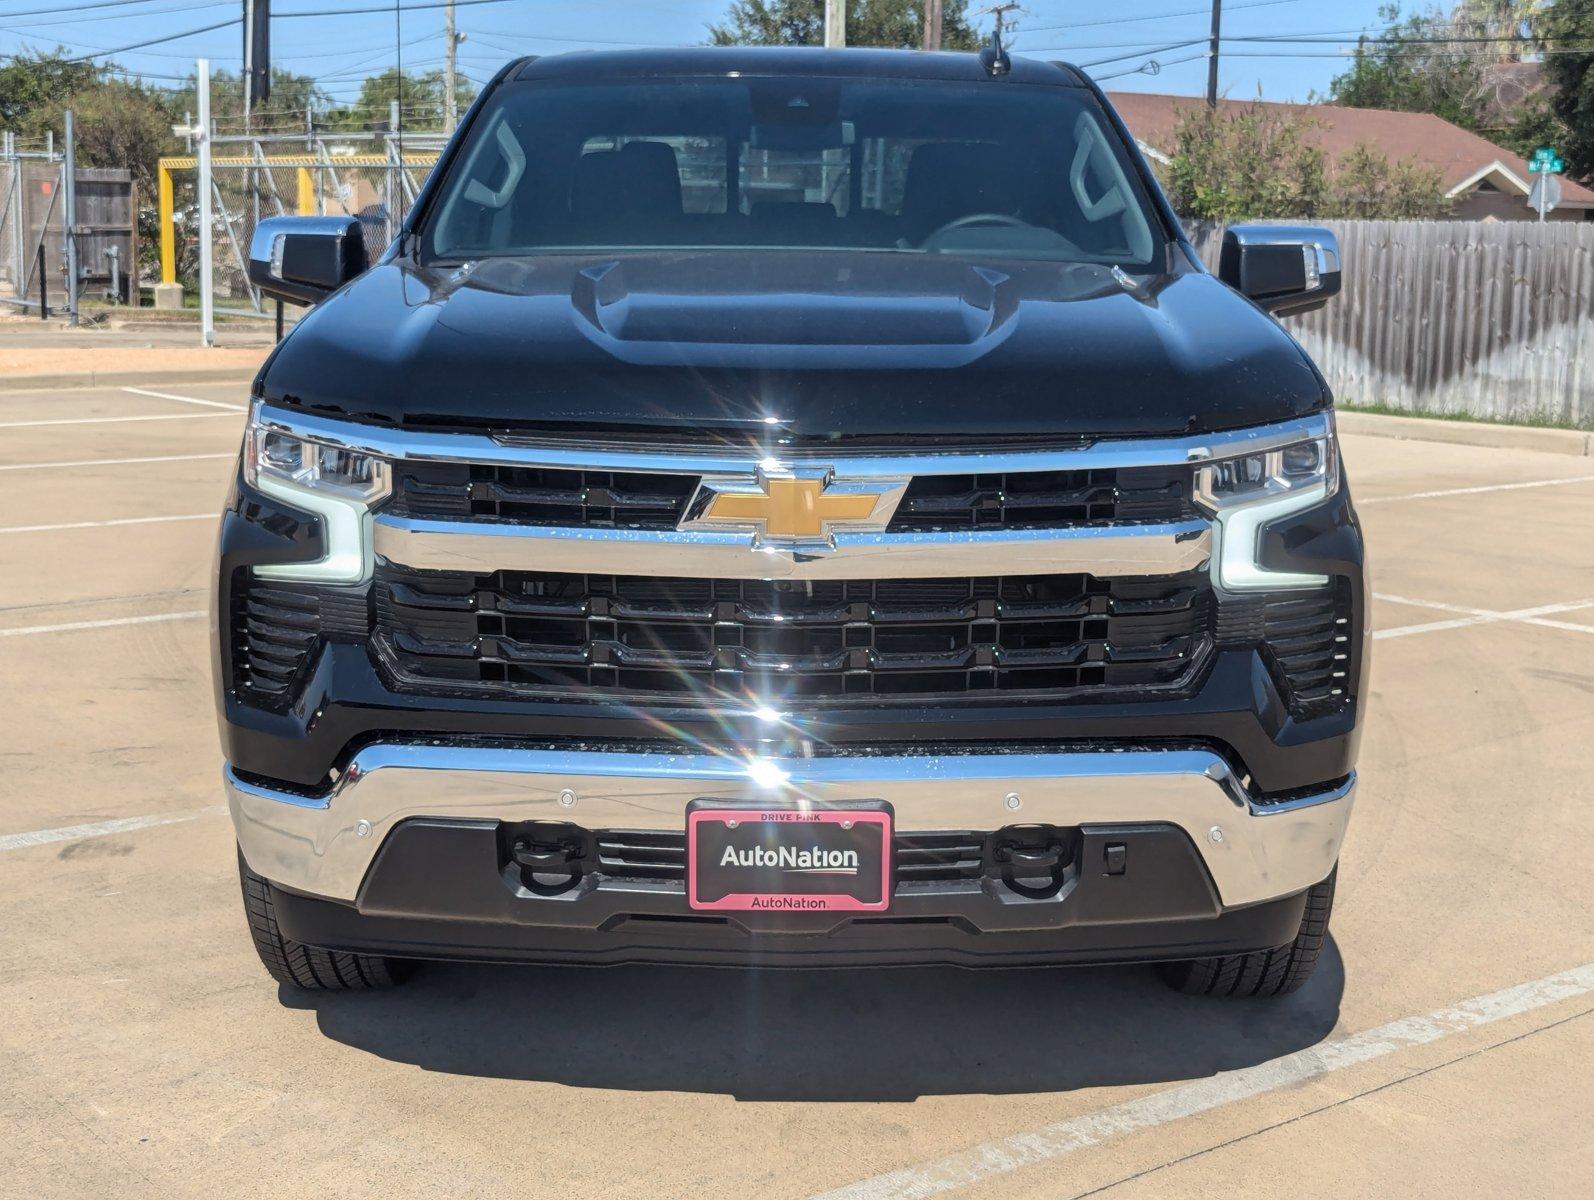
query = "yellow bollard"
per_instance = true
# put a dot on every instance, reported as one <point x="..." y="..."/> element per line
<point x="168" y="232"/>
<point x="306" y="199"/>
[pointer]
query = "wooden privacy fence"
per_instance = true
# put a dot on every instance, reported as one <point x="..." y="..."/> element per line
<point x="1477" y="318"/>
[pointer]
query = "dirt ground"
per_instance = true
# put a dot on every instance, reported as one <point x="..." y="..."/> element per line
<point x="1444" y="1048"/>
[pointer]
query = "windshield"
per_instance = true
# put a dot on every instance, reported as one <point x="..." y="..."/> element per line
<point x="794" y="163"/>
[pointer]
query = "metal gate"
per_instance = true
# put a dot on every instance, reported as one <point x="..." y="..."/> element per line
<point x="33" y="229"/>
<point x="249" y="184"/>
<point x="30" y="220"/>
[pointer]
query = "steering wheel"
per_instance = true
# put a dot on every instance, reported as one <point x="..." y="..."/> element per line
<point x="984" y="218"/>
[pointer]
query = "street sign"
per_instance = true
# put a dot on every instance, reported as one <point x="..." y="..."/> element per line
<point x="1546" y="194"/>
<point x="1546" y="160"/>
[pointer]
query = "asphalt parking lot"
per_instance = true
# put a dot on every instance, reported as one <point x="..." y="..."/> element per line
<point x="1445" y="1046"/>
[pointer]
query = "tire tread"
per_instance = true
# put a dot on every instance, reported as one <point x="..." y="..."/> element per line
<point x="296" y="965"/>
<point x="1276" y="972"/>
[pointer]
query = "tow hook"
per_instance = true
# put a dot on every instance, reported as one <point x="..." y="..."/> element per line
<point x="1031" y="858"/>
<point x="543" y="859"/>
<point x="549" y="853"/>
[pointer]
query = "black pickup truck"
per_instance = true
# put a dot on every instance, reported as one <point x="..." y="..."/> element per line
<point x="790" y="507"/>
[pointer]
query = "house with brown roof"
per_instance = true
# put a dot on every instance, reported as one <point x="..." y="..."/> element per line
<point x="1481" y="179"/>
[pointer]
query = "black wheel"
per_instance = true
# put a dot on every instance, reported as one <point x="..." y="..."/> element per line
<point x="1266" y="972"/>
<point x="303" y="966"/>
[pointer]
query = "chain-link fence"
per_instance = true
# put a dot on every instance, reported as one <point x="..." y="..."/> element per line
<point x="370" y="179"/>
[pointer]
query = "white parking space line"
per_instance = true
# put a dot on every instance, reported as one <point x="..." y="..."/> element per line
<point x="105" y="524"/>
<point x="183" y="416"/>
<point x="1052" y="1142"/>
<point x="1474" y="491"/>
<point x="108" y="623"/>
<point x="1482" y="616"/>
<point x="76" y="833"/>
<point x="112" y="462"/>
<point x="228" y="405"/>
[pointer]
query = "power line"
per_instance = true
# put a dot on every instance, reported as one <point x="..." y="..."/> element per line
<point x="170" y="37"/>
<point x="114" y="16"/>
<point x="383" y="8"/>
<point x="52" y="11"/>
<point x="1163" y="16"/>
<point x="1144" y="50"/>
<point x="569" y="41"/>
<point x="1172" y="62"/>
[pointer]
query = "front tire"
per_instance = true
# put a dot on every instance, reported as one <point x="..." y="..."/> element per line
<point x="308" y="967"/>
<point x="1264" y="972"/>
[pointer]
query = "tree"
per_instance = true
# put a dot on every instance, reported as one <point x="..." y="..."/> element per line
<point x="115" y="123"/>
<point x="1511" y="22"/>
<point x="1367" y="185"/>
<point x="1259" y="161"/>
<point x="1567" y="32"/>
<point x="1534" y="124"/>
<point x="291" y="95"/>
<point x="32" y="81"/>
<point x="1405" y="69"/>
<point x="888" y="23"/>
<point x="1255" y="162"/>
<point x="421" y="96"/>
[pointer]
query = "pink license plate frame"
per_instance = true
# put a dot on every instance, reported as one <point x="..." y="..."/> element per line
<point x="793" y="902"/>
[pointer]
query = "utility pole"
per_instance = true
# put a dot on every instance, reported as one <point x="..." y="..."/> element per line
<point x="1212" y="53"/>
<point x="999" y="12"/>
<point x="249" y="58"/>
<point x="451" y="42"/>
<point x="835" y="24"/>
<point x="932" y="24"/>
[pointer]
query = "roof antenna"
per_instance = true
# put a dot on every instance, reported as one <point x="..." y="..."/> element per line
<point x="993" y="55"/>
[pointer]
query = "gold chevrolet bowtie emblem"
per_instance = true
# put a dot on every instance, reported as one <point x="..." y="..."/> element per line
<point x="800" y="509"/>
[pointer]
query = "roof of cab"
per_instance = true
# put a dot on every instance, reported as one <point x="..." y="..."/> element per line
<point x="587" y="65"/>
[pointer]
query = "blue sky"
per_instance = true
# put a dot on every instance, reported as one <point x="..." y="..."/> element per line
<point x="340" y="50"/>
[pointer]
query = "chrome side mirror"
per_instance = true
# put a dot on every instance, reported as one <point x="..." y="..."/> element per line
<point x="1287" y="269"/>
<point x="303" y="260"/>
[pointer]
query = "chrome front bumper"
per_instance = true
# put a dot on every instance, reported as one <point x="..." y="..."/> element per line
<point x="324" y="845"/>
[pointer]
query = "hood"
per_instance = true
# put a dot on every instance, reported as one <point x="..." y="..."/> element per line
<point x="823" y="347"/>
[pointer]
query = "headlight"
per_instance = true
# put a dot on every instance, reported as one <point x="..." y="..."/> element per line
<point x="1249" y="491"/>
<point x="270" y="454"/>
<point x="339" y="485"/>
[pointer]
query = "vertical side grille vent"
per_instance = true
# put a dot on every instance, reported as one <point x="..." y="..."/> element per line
<point x="1305" y="639"/>
<point x="276" y="628"/>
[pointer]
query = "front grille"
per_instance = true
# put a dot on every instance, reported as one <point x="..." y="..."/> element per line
<point x="539" y="496"/>
<point x="617" y="500"/>
<point x="919" y="857"/>
<point x="1044" y="499"/>
<point x="518" y="631"/>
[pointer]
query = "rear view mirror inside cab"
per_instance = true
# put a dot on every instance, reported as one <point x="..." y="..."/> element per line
<point x="802" y="137"/>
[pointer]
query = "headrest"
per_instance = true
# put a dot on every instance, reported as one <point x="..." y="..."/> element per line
<point x="640" y="178"/>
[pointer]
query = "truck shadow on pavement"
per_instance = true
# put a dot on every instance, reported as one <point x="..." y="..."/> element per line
<point x="859" y="1035"/>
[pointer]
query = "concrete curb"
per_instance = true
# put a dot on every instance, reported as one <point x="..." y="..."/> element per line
<point x="1468" y="433"/>
<point x="152" y="376"/>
